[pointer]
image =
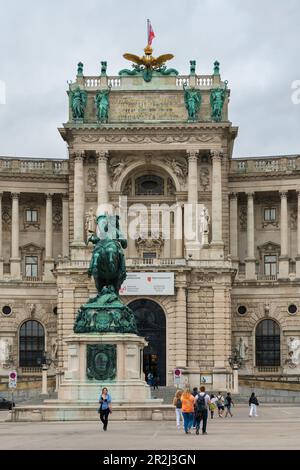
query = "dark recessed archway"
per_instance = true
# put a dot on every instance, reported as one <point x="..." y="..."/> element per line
<point x="151" y="324"/>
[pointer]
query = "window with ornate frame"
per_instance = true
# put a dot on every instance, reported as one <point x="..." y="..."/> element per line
<point x="31" y="344"/>
<point x="270" y="265"/>
<point x="149" y="185"/>
<point x="269" y="254"/>
<point x="270" y="217"/>
<point x="267" y="344"/>
<point x="31" y="218"/>
<point x="31" y="266"/>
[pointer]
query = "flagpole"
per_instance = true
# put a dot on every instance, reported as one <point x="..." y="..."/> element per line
<point x="148" y="31"/>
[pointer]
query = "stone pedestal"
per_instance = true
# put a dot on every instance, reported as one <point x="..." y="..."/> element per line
<point x="111" y="360"/>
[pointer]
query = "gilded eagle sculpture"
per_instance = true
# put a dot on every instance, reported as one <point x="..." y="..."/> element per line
<point x="147" y="64"/>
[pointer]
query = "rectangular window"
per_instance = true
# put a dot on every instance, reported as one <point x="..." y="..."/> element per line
<point x="149" y="255"/>
<point x="270" y="214"/>
<point x="31" y="266"/>
<point x="31" y="215"/>
<point x="270" y="265"/>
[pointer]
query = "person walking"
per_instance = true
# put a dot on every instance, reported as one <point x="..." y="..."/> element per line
<point x="228" y="404"/>
<point x="194" y="393"/>
<point x="253" y="403"/>
<point x="105" y="407"/>
<point x="212" y="405"/>
<point x="178" y="407"/>
<point x="187" y="400"/>
<point x="220" y="404"/>
<point x="201" y="401"/>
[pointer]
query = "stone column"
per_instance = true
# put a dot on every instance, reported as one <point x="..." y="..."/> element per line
<point x="250" y="260"/>
<point x="298" y="238"/>
<point x="216" y="215"/>
<point x="102" y="182"/>
<point x="191" y="216"/>
<point x="1" y="249"/>
<point x="234" y="226"/>
<point x="49" y="262"/>
<point x="15" y="260"/>
<point x="181" y="327"/>
<point x="178" y="231"/>
<point x="65" y="225"/>
<point x="78" y="200"/>
<point x="284" y="258"/>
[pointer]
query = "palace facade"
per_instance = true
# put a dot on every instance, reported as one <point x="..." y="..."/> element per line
<point x="235" y="288"/>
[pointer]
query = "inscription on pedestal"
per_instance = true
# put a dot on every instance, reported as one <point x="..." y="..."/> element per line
<point x="101" y="361"/>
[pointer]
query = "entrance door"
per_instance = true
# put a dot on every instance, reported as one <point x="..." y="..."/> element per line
<point x="151" y="324"/>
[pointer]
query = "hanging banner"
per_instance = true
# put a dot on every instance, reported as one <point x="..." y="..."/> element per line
<point x="148" y="284"/>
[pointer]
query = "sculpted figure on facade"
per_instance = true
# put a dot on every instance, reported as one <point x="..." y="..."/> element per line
<point x="242" y="348"/>
<point x="78" y="103"/>
<point x="179" y="169"/>
<point x="4" y="351"/>
<point x="117" y="169"/>
<point x="102" y="104"/>
<point x="92" y="179"/>
<point x="204" y="221"/>
<point x="90" y="222"/>
<point x="204" y="178"/>
<point x="293" y="359"/>
<point x="217" y="99"/>
<point x="192" y="99"/>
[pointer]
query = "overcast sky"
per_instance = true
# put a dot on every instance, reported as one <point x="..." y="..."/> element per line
<point x="257" y="43"/>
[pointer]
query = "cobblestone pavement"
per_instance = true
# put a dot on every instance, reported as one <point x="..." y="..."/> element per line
<point x="277" y="427"/>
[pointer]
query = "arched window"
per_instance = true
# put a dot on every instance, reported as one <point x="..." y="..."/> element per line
<point x="149" y="185"/>
<point x="267" y="344"/>
<point x="32" y="344"/>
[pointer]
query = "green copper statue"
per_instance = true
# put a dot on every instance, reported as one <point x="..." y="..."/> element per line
<point x="217" y="99"/>
<point x="105" y="312"/>
<point x="102" y="105"/>
<point x="78" y="99"/>
<point x="192" y="99"/>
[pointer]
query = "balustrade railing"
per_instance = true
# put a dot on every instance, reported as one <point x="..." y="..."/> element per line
<point x="15" y="165"/>
<point x="266" y="165"/>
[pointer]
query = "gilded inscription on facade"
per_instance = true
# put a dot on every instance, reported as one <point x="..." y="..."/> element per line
<point x="147" y="107"/>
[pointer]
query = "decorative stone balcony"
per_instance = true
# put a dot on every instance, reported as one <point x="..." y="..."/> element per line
<point x="284" y="164"/>
<point x="34" y="166"/>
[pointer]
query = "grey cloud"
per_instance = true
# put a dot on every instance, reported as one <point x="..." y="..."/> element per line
<point x="256" y="43"/>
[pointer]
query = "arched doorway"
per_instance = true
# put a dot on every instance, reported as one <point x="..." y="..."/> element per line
<point x="31" y="344"/>
<point x="267" y="344"/>
<point x="151" y="323"/>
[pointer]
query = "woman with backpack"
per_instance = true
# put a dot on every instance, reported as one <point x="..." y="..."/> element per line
<point x="178" y="407"/>
<point x="253" y="403"/>
<point x="228" y="404"/>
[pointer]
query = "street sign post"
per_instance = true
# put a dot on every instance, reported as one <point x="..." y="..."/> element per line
<point x="12" y="379"/>
<point x="177" y="374"/>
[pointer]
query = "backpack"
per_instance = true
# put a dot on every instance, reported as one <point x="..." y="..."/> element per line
<point x="201" y="403"/>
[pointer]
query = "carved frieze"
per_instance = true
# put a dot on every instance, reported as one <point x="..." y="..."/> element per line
<point x="243" y="218"/>
<point x="6" y="218"/>
<point x="155" y="138"/>
<point x="92" y="180"/>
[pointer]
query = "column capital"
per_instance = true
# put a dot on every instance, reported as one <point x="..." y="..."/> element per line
<point x="78" y="156"/>
<point x="283" y="194"/>
<point x="192" y="155"/>
<point x="250" y="194"/>
<point x="216" y="155"/>
<point x="49" y="196"/>
<point x="233" y="195"/>
<point x="15" y="195"/>
<point x="102" y="156"/>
